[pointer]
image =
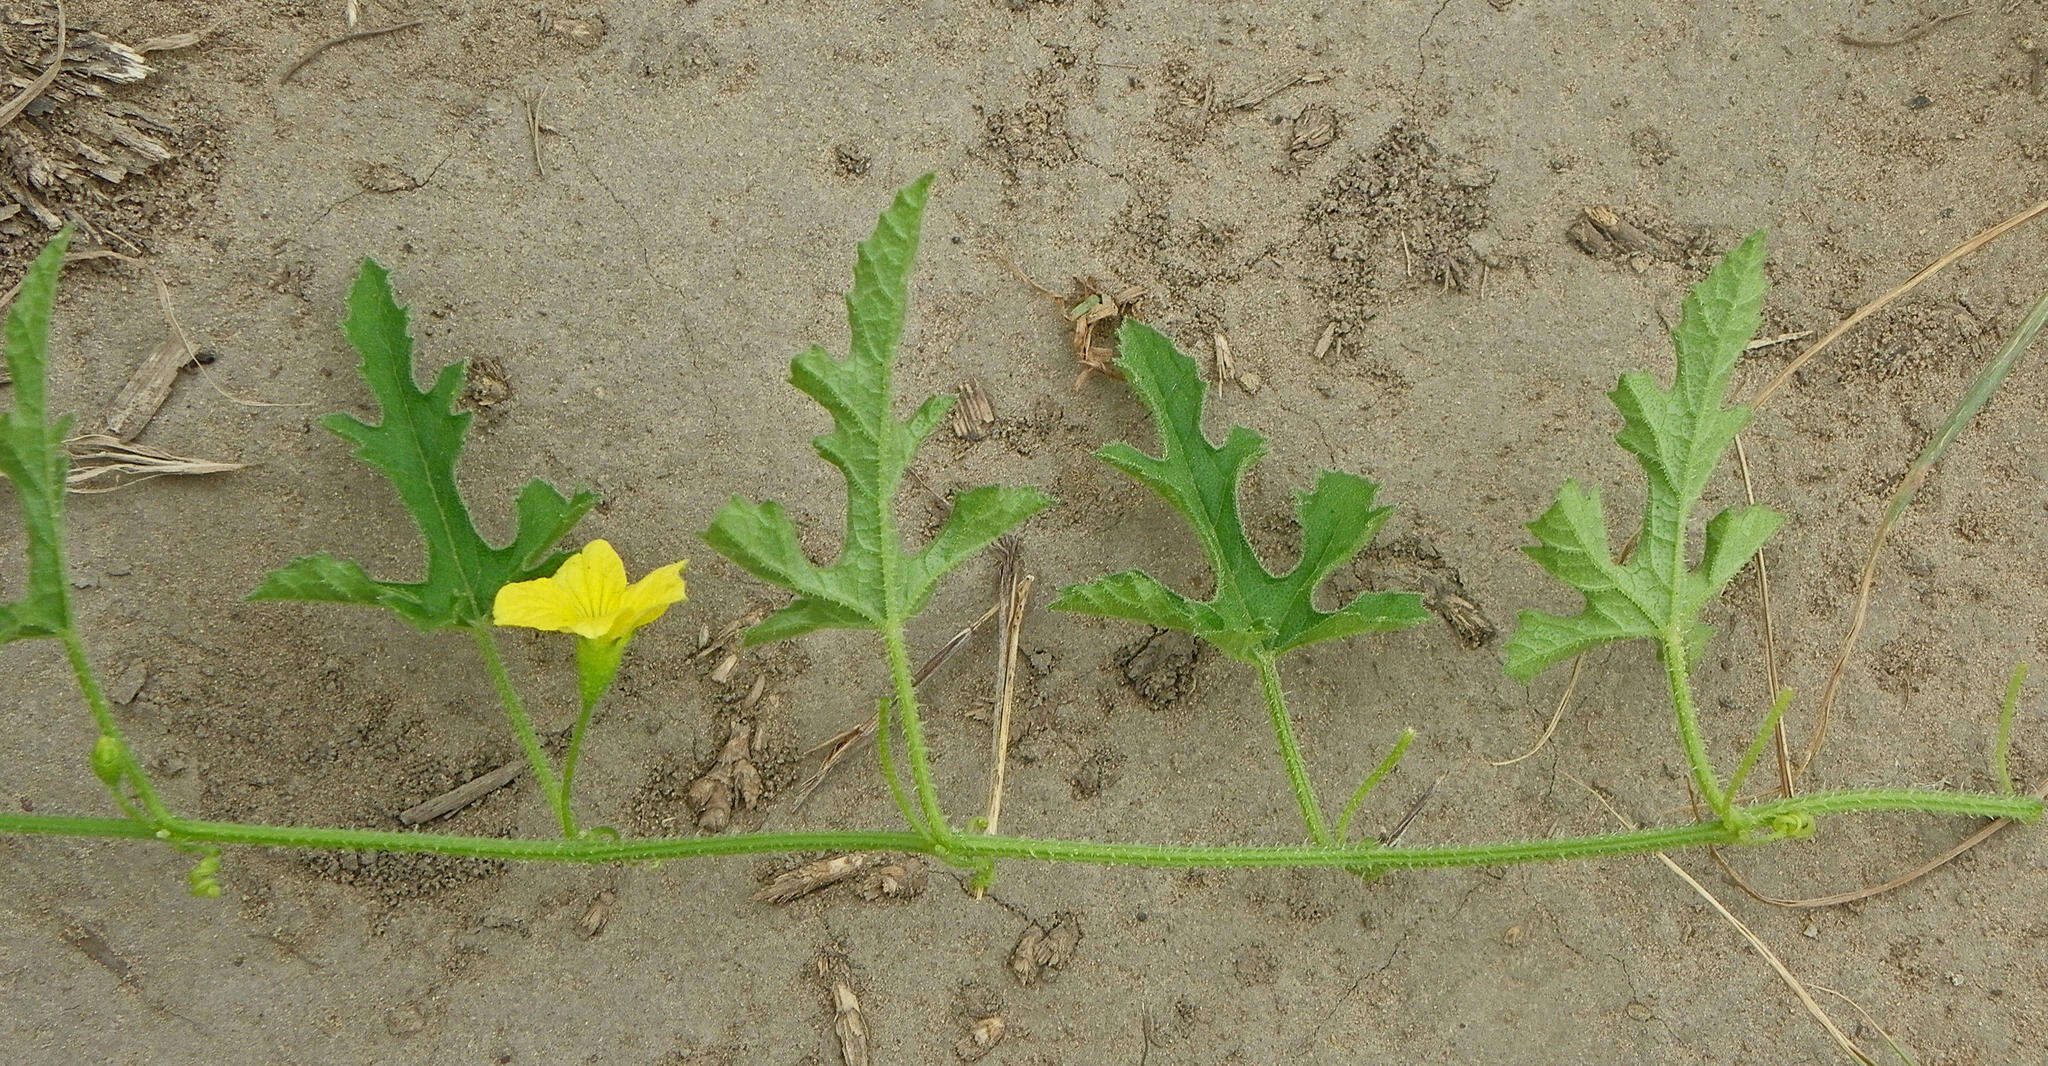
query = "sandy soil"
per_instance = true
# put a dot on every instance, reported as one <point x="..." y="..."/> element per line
<point x="706" y="168"/>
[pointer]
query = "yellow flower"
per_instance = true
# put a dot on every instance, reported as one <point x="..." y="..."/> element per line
<point x="588" y="596"/>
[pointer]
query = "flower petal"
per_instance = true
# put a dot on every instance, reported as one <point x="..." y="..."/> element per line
<point x="648" y="598"/>
<point x="595" y="578"/>
<point x="539" y="604"/>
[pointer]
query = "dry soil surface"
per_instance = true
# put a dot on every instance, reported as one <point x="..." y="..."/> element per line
<point x="1370" y="201"/>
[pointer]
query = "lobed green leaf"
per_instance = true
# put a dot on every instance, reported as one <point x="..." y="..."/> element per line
<point x="1254" y="611"/>
<point x="874" y="582"/>
<point x="32" y="454"/>
<point x="1679" y="435"/>
<point x="417" y="446"/>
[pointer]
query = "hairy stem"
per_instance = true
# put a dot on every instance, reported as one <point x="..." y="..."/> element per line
<point x="1672" y="649"/>
<point x="103" y="717"/>
<point x="1372" y="781"/>
<point x="884" y="727"/>
<point x="1363" y="858"/>
<point x="940" y="830"/>
<point x="522" y="726"/>
<point x="567" y="808"/>
<point x="1290" y="751"/>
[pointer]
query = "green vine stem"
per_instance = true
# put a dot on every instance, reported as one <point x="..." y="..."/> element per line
<point x="103" y="717"/>
<point x="1372" y="781"/>
<point x="937" y="828"/>
<point x="1290" y="750"/>
<point x="515" y="710"/>
<point x="1753" y="824"/>
<point x="1671" y="649"/>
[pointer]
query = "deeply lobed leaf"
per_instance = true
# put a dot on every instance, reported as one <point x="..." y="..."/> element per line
<point x="1679" y="436"/>
<point x="875" y="582"/>
<point x="417" y="446"/>
<point x="1254" y="611"/>
<point x="32" y="454"/>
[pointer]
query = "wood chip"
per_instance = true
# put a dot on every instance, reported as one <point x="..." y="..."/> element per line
<point x="1044" y="947"/>
<point x="150" y="385"/>
<point x="462" y="795"/>
<point x="973" y="416"/>
<point x="722" y="673"/>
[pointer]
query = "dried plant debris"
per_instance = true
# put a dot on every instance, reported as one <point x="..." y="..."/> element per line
<point x="584" y="27"/>
<point x="1162" y="667"/>
<point x="982" y="1038"/>
<point x="849" y="1024"/>
<point x="734" y="782"/>
<point x="1638" y="239"/>
<point x="874" y="876"/>
<point x="1044" y="947"/>
<point x="63" y="158"/>
<point x="973" y="417"/>
<point x="598" y="914"/>
<point x="1400" y="214"/>
<point x="1412" y="561"/>
<point x="1312" y="131"/>
<point x="100" y="463"/>
<point x="1096" y="308"/>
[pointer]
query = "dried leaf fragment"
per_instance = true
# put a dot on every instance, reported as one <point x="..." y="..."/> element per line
<point x="1044" y="947"/>
<point x="100" y="463"/>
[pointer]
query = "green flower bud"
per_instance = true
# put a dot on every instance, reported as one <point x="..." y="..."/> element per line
<point x="109" y="761"/>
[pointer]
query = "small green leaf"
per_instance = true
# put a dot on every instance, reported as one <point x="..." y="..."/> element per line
<point x="32" y="454"/>
<point x="1679" y="436"/>
<point x="1254" y="611"/>
<point x="874" y="582"/>
<point x="417" y="446"/>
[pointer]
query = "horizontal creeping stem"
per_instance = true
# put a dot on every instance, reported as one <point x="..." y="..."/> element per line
<point x="1363" y="857"/>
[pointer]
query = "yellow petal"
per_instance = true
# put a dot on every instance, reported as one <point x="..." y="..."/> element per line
<point x="595" y="580"/>
<point x="648" y="598"/>
<point x="537" y="604"/>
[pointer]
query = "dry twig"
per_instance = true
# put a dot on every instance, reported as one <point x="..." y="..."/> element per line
<point x="354" y="35"/>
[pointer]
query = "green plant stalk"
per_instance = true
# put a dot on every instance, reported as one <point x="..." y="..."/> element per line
<point x="1290" y="750"/>
<point x="937" y="829"/>
<point x="1368" y="858"/>
<point x="1671" y="648"/>
<point x="885" y="753"/>
<point x="522" y="726"/>
<point x="103" y="717"/>
<point x="568" y="810"/>
<point x="1756" y="747"/>
<point x="1372" y="781"/>
<point x="1999" y="750"/>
